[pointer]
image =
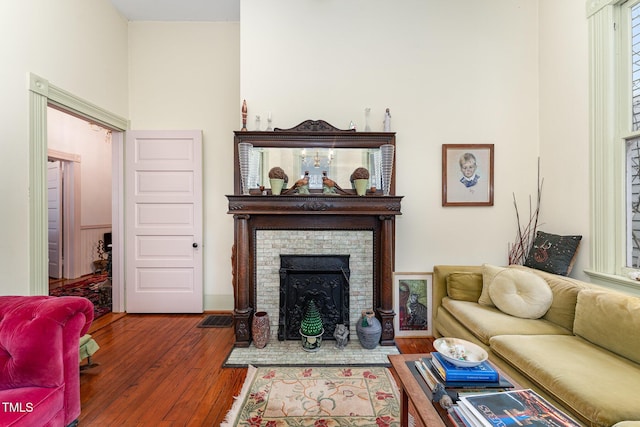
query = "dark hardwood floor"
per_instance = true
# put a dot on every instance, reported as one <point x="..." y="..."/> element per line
<point x="162" y="370"/>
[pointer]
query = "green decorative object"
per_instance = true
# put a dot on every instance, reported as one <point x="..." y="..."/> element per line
<point x="311" y="328"/>
<point x="311" y="321"/>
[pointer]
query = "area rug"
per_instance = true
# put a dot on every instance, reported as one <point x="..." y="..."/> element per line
<point x="96" y="288"/>
<point x="316" y="396"/>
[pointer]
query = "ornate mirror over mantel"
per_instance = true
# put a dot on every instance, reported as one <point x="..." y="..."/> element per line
<point x="316" y="147"/>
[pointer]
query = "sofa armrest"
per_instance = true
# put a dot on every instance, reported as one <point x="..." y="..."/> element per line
<point x="39" y="344"/>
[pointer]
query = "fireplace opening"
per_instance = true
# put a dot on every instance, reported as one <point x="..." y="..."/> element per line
<point x="322" y="278"/>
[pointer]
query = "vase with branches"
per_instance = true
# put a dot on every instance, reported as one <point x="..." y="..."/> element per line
<point x="525" y="234"/>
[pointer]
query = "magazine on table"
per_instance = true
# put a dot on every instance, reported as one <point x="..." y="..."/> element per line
<point x="513" y="408"/>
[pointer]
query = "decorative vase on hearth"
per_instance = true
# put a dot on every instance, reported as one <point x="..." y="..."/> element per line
<point x="260" y="329"/>
<point x="369" y="330"/>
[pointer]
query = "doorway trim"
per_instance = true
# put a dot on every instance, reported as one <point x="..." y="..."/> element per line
<point x="41" y="95"/>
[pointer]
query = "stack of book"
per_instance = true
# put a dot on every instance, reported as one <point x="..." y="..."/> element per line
<point x="508" y="408"/>
<point x="459" y="381"/>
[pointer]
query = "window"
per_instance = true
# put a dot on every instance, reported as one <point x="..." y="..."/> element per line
<point x="633" y="147"/>
<point x="633" y="203"/>
<point x="614" y="46"/>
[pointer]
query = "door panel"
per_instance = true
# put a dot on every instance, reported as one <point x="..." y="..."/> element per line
<point x="54" y="212"/>
<point x="163" y="171"/>
<point x="159" y="215"/>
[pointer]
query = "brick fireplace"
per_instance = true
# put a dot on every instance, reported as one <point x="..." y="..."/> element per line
<point x="268" y="226"/>
<point x="355" y="245"/>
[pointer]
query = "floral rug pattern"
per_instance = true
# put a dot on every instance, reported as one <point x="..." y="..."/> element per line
<point x="316" y="396"/>
<point x="96" y="288"/>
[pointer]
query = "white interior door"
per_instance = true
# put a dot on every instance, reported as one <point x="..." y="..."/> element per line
<point x="163" y="222"/>
<point x="54" y="213"/>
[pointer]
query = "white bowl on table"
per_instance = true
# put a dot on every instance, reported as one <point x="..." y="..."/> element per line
<point x="460" y="352"/>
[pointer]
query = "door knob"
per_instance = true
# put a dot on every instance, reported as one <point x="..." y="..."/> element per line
<point x="195" y="245"/>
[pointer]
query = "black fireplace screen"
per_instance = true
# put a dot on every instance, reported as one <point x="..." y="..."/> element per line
<point x="323" y="278"/>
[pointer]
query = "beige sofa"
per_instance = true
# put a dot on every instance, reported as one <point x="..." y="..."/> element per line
<point x="583" y="354"/>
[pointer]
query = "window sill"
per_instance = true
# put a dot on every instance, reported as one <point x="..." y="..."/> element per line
<point x="619" y="283"/>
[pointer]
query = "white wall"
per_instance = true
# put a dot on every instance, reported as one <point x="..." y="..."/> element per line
<point x="507" y="72"/>
<point x="564" y="122"/>
<point x="451" y="72"/>
<point x="78" y="45"/>
<point x="186" y="76"/>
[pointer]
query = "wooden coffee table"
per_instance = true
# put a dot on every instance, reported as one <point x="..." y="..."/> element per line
<point x="429" y="414"/>
<point x="414" y="389"/>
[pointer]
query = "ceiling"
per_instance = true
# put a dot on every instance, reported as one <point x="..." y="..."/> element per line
<point x="179" y="10"/>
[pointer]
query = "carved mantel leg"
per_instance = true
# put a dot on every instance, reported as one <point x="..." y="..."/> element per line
<point x="385" y="311"/>
<point x="242" y="310"/>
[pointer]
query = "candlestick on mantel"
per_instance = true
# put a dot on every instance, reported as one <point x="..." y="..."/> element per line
<point x="244" y="115"/>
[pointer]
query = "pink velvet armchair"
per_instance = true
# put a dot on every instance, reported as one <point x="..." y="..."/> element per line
<point x="39" y="359"/>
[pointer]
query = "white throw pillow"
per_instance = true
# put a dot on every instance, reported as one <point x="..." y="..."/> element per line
<point x="521" y="293"/>
<point x="488" y="273"/>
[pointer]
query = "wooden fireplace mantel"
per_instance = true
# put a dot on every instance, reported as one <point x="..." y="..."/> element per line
<point x="315" y="211"/>
<point x="312" y="212"/>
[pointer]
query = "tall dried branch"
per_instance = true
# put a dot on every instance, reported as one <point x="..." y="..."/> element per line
<point x="526" y="234"/>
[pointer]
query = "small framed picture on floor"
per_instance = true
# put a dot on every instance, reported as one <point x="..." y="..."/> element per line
<point x="412" y="301"/>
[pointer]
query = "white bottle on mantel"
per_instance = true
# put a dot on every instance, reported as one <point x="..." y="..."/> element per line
<point x="387" y="121"/>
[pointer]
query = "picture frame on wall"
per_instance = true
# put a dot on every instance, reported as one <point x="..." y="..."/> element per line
<point x="467" y="174"/>
<point x="413" y="293"/>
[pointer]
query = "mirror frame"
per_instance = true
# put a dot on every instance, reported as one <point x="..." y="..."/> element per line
<point x="312" y="134"/>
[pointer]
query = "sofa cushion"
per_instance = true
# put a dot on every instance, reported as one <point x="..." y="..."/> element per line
<point x="610" y="320"/>
<point x="485" y="322"/>
<point x="464" y="286"/>
<point x="565" y="295"/>
<point x="488" y="273"/>
<point x="520" y="293"/>
<point x="553" y="253"/>
<point x="576" y="374"/>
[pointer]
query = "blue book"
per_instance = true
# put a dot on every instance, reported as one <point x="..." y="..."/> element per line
<point x="450" y="372"/>
<point x="502" y="382"/>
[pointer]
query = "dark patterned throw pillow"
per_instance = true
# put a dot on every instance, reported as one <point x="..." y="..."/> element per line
<point x="553" y="253"/>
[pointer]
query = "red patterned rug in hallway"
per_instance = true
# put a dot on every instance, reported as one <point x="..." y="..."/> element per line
<point x="96" y="288"/>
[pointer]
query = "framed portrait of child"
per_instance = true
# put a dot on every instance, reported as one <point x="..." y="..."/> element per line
<point x="467" y="174"/>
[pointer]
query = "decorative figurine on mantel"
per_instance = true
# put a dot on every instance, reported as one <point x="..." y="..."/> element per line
<point x="329" y="186"/>
<point x="244" y="115"/>
<point x="269" y="123"/>
<point x="301" y="186"/>
<point x="387" y="121"/>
